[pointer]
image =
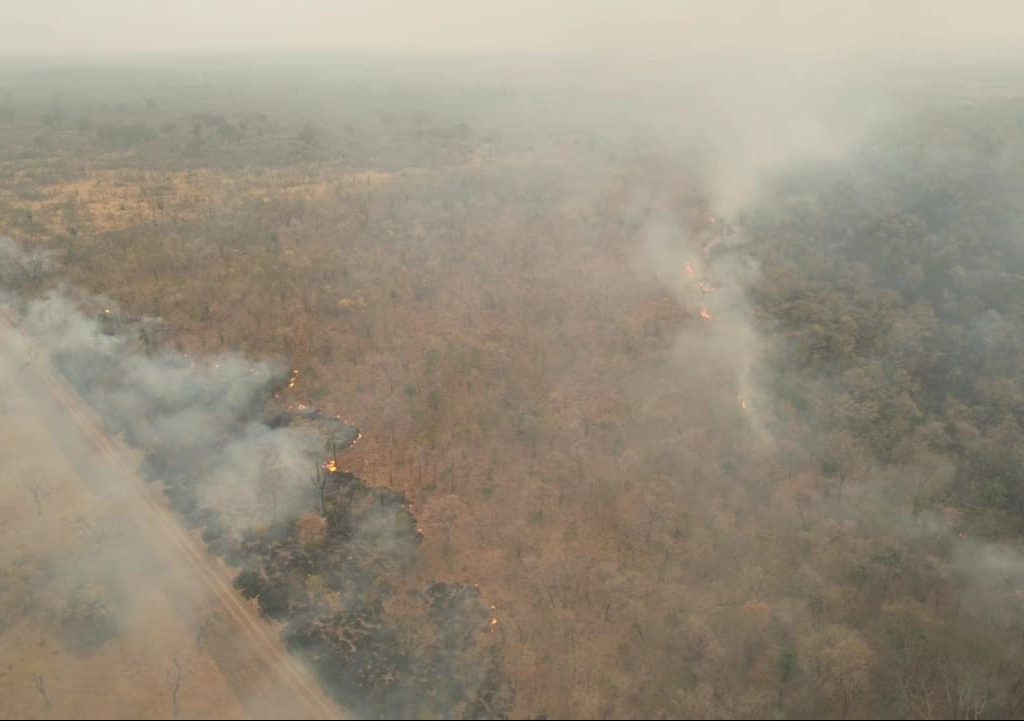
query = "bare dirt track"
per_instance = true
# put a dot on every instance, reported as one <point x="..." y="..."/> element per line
<point x="108" y="607"/>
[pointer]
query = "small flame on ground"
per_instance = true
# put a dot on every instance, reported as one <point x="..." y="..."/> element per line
<point x="494" y="621"/>
<point x="743" y="403"/>
<point x="294" y="379"/>
<point x="705" y="314"/>
<point x="330" y="466"/>
<point x="689" y="270"/>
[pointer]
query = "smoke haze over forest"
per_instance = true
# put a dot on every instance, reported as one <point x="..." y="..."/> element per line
<point x="568" y="359"/>
<point x="668" y="28"/>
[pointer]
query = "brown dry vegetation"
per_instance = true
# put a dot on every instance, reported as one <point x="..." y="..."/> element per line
<point x="499" y="410"/>
<point x="104" y="614"/>
<point x="566" y="428"/>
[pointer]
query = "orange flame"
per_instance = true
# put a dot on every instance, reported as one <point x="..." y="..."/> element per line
<point x="743" y="403"/>
<point x="330" y="466"/>
<point x="705" y="314"/>
<point x="294" y="379"/>
<point x="689" y="270"/>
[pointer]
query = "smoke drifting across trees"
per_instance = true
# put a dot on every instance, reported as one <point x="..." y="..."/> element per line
<point x="710" y="382"/>
<point x="325" y="563"/>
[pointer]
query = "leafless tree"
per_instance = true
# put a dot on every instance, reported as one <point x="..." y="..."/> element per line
<point x="39" y="491"/>
<point x="176" y="676"/>
<point x="41" y="688"/>
<point x="319" y="481"/>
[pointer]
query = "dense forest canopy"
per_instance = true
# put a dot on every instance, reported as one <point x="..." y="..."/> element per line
<point x="645" y="435"/>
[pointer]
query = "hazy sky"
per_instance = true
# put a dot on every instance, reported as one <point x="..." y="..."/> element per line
<point x="630" y="27"/>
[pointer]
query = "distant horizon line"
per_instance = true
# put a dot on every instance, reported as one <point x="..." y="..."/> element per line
<point x="920" y="56"/>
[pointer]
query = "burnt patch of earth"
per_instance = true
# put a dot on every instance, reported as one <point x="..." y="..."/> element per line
<point x="385" y="650"/>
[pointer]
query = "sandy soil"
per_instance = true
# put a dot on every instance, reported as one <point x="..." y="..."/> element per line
<point x="108" y="608"/>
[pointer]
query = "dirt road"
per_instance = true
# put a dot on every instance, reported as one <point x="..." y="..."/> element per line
<point x="108" y="607"/>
